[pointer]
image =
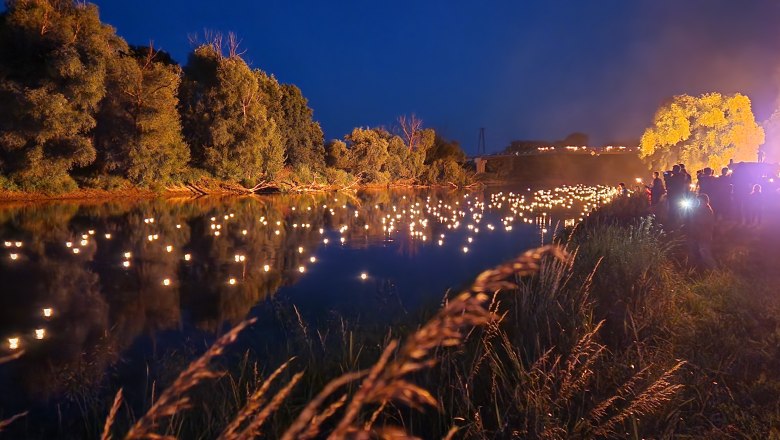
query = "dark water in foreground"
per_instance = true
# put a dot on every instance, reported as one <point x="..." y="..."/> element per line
<point x="95" y="293"/>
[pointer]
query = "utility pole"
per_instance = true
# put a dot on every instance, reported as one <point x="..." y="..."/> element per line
<point x="481" y="144"/>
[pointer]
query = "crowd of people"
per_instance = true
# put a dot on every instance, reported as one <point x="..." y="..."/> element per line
<point x="740" y="194"/>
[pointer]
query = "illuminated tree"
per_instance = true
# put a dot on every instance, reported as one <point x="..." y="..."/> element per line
<point x="138" y="132"/>
<point x="53" y="57"/>
<point x="703" y="131"/>
<point x="225" y="119"/>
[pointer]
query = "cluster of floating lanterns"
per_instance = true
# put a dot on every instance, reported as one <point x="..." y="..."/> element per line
<point x="428" y="220"/>
<point x="16" y="342"/>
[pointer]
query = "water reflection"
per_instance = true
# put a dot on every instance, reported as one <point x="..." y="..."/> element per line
<point x="83" y="281"/>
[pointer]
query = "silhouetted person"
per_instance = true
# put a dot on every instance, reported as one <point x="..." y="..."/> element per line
<point x="706" y="182"/>
<point x="622" y="190"/>
<point x="657" y="189"/>
<point x="700" y="231"/>
<point x="720" y="199"/>
<point x="755" y="206"/>
<point x="675" y="192"/>
<point x="686" y="178"/>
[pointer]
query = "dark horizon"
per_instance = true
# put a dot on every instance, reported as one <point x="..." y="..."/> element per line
<point x="522" y="71"/>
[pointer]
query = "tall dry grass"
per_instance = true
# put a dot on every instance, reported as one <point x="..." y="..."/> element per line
<point x="534" y="393"/>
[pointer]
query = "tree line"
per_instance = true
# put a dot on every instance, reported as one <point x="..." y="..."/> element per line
<point x="80" y="107"/>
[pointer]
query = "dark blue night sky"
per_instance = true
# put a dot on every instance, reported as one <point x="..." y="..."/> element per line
<point x="523" y="70"/>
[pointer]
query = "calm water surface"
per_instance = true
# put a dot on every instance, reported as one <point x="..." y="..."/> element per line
<point x="95" y="294"/>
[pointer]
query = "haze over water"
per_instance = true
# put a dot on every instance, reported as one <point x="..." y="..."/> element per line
<point x="100" y="294"/>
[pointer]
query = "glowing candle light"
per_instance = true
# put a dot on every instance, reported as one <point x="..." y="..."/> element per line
<point x="465" y="249"/>
<point x="166" y="282"/>
<point x="168" y="248"/>
<point x="301" y="269"/>
<point x="325" y="241"/>
<point x="47" y="312"/>
<point x="363" y="276"/>
<point x="75" y="250"/>
<point x="18" y="244"/>
<point x="187" y="257"/>
<point x="108" y="236"/>
<point x="232" y="281"/>
<point x="126" y="263"/>
<point x="40" y="333"/>
<point x="313" y="259"/>
<point x="266" y="268"/>
<point x="84" y="242"/>
<point x="128" y="254"/>
<point x="14" y="256"/>
<point x="13" y="343"/>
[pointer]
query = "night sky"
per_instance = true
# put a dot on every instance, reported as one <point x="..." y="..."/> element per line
<point x="522" y="69"/>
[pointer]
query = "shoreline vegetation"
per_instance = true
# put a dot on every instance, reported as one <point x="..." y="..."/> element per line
<point x="607" y="333"/>
<point x="85" y="113"/>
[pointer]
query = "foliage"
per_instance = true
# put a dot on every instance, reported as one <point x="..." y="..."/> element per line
<point x="704" y="131"/>
<point x="53" y="57"/>
<point x="138" y="133"/>
<point x="443" y="149"/>
<point x="300" y="134"/>
<point x="225" y="119"/>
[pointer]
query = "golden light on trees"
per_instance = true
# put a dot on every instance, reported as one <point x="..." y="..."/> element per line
<point x="708" y="130"/>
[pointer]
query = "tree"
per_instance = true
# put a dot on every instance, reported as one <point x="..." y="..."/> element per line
<point x="410" y="127"/>
<point x="225" y="118"/>
<point x="367" y="152"/>
<point x="703" y="131"/>
<point x="445" y="149"/>
<point x="138" y="133"/>
<point x="300" y="134"/>
<point x="53" y="57"/>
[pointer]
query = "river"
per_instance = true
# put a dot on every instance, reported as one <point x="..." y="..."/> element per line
<point x="98" y="295"/>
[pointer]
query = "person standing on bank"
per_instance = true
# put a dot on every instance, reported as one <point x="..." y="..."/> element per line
<point x="657" y="189"/>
